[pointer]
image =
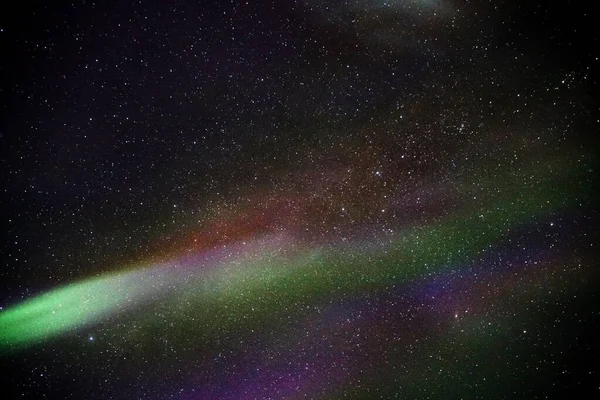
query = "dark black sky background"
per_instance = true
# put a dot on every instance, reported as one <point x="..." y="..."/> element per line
<point x="121" y="121"/>
<point x="117" y="111"/>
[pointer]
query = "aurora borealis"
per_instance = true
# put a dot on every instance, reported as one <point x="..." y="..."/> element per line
<point x="320" y="200"/>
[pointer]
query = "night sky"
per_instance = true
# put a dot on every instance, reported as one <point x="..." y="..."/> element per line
<point x="301" y="199"/>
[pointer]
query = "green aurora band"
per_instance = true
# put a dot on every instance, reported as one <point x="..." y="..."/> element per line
<point x="269" y="282"/>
